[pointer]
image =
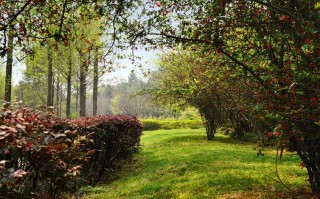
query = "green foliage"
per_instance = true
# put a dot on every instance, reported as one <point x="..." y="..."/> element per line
<point x="155" y="124"/>
<point x="150" y="124"/>
<point x="74" y="115"/>
<point x="2" y="83"/>
<point x="182" y="164"/>
<point x="272" y="47"/>
<point x="203" y="80"/>
<point x="190" y="114"/>
<point x="40" y="21"/>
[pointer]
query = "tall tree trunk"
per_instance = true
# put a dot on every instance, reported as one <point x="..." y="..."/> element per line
<point x="77" y="98"/>
<point x="53" y="82"/>
<point x="83" y="85"/>
<point x="95" y="82"/>
<point x="60" y="102"/>
<point x="50" y="78"/>
<point x="9" y="65"/>
<point x="57" y="95"/>
<point x="68" y="108"/>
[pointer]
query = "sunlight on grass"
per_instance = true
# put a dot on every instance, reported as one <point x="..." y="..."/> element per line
<point x="182" y="164"/>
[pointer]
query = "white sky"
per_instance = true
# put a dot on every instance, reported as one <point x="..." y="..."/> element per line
<point x="122" y="71"/>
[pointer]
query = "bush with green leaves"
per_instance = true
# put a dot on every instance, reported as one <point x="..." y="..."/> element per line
<point x="155" y="124"/>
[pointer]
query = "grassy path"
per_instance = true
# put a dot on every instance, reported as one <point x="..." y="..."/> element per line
<point x="182" y="164"/>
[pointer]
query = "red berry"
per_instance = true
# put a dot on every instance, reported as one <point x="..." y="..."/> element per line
<point x="308" y="41"/>
<point x="269" y="134"/>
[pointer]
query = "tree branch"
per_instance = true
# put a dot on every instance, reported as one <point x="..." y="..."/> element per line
<point x="62" y="17"/>
<point x="244" y="66"/>
<point x="178" y="38"/>
<point x="15" y="15"/>
<point x="278" y="9"/>
<point x="215" y="45"/>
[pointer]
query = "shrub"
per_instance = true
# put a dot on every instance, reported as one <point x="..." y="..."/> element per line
<point x="155" y="124"/>
<point x="113" y="141"/>
<point x="42" y="156"/>
<point x="149" y="125"/>
<point x="32" y="154"/>
<point x="193" y="124"/>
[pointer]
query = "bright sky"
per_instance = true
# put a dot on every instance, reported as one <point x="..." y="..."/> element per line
<point x="122" y="72"/>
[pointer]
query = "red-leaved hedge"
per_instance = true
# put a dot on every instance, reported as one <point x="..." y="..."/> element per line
<point x="112" y="141"/>
<point x="42" y="156"/>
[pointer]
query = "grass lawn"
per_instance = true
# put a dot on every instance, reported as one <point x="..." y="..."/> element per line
<point x="182" y="164"/>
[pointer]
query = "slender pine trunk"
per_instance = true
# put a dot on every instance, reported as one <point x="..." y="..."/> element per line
<point x="95" y="82"/>
<point x="68" y="107"/>
<point x="50" y="78"/>
<point x="9" y="64"/>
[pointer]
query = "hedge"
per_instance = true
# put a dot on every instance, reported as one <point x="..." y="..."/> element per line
<point x="113" y="141"/>
<point x="42" y="156"/>
<point x="155" y="124"/>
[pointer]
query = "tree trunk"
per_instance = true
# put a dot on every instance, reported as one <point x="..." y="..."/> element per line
<point x="9" y="64"/>
<point x="60" y="101"/>
<point x="95" y="82"/>
<point x="83" y="85"/>
<point x="50" y="79"/>
<point x="77" y="98"/>
<point x="68" y="108"/>
<point x="308" y="150"/>
<point x="57" y="96"/>
<point x="209" y="123"/>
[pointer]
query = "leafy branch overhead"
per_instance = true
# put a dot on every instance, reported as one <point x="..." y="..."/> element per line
<point x="40" y="20"/>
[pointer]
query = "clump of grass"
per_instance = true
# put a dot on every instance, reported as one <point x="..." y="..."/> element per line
<point x="182" y="164"/>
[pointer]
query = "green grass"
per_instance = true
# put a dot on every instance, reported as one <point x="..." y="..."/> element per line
<point x="182" y="164"/>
